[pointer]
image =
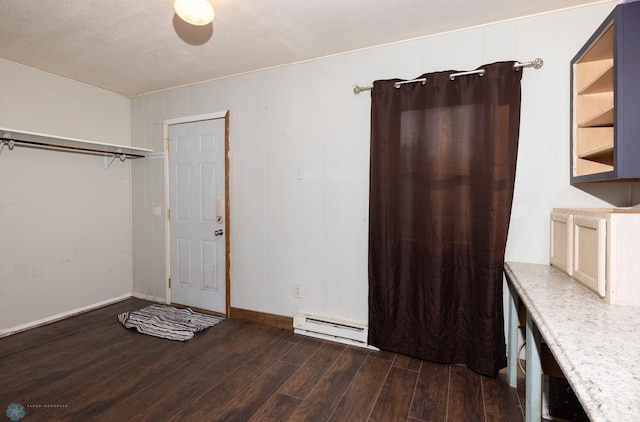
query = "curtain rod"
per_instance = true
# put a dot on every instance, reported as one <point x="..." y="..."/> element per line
<point x="536" y="64"/>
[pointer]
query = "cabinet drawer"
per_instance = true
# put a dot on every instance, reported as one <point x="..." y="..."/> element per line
<point x="590" y="252"/>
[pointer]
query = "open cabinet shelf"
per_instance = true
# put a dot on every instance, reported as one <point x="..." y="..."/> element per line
<point x="605" y="127"/>
<point x="602" y="117"/>
<point x="601" y="82"/>
<point x="603" y="154"/>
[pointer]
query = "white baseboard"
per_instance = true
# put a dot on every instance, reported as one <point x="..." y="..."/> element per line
<point x="63" y="315"/>
<point x="149" y="298"/>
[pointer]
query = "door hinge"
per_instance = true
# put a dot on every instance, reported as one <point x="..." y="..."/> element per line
<point x="168" y="144"/>
<point x="169" y="282"/>
<point x="168" y="214"/>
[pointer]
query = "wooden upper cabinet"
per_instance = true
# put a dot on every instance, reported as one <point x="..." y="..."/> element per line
<point x="605" y="101"/>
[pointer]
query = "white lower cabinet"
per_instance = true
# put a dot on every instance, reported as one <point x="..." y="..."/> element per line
<point x="599" y="248"/>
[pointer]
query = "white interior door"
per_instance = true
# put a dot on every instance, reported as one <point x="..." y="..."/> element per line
<point x="197" y="220"/>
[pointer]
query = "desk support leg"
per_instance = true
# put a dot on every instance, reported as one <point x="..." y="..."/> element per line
<point x="512" y="339"/>
<point x="534" y="373"/>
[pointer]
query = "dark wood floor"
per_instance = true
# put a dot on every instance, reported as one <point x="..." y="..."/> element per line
<point x="89" y="367"/>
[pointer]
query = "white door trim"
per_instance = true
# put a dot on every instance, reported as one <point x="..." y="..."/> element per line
<point x="165" y="135"/>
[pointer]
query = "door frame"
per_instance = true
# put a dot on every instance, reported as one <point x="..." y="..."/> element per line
<point x="165" y="133"/>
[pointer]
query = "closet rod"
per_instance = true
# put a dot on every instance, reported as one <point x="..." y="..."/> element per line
<point x="536" y="64"/>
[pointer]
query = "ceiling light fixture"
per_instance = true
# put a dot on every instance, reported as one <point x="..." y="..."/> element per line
<point x="195" y="12"/>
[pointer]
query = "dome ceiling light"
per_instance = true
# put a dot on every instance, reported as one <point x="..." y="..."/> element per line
<point x="195" y="12"/>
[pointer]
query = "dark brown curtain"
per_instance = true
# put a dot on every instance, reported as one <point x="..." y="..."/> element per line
<point x="443" y="161"/>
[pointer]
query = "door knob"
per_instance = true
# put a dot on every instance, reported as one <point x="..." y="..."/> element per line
<point x="218" y="232"/>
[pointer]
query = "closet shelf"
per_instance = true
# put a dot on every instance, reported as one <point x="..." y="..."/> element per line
<point x="11" y="138"/>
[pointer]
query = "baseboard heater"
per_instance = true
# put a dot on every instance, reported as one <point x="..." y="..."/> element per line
<point x="333" y="330"/>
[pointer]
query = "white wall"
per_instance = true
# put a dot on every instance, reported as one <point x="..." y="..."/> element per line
<point x="300" y="159"/>
<point x="65" y="224"/>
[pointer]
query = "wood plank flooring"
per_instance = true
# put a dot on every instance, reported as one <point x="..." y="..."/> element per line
<point x="89" y="367"/>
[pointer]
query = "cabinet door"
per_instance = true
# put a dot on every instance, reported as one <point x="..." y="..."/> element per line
<point x="589" y="257"/>
<point x="561" y="248"/>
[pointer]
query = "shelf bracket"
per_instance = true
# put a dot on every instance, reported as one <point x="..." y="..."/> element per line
<point x="7" y="142"/>
<point x="108" y="161"/>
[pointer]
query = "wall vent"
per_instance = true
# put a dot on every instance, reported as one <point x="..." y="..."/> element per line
<point x="333" y="330"/>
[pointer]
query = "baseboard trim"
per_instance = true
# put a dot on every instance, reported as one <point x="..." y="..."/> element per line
<point x="201" y="310"/>
<point x="261" y="318"/>
<point x="149" y="298"/>
<point x="63" y="315"/>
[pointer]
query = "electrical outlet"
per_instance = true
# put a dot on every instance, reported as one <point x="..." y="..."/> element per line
<point x="297" y="291"/>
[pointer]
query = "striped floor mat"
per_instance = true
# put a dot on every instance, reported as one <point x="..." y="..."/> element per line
<point x="165" y="321"/>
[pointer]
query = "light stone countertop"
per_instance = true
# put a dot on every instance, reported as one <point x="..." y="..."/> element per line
<point x="597" y="345"/>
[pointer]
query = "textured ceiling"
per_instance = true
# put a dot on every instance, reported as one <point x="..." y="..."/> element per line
<point x="133" y="47"/>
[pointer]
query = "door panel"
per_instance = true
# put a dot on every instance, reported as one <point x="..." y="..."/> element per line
<point x="196" y="184"/>
<point x="210" y="280"/>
